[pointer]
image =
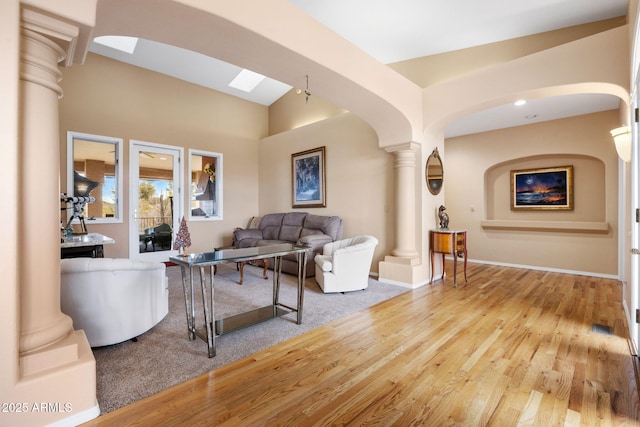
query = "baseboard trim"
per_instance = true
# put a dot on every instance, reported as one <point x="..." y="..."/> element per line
<point x="79" y="418"/>
<point x="636" y="363"/>
<point x="553" y="270"/>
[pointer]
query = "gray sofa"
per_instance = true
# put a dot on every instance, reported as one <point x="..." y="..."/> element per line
<point x="293" y="227"/>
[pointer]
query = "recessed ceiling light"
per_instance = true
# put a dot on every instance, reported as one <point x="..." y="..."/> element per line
<point x="246" y="80"/>
<point x="519" y="102"/>
<point x="121" y="43"/>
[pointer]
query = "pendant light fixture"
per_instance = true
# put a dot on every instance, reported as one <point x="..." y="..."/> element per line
<point x="306" y="91"/>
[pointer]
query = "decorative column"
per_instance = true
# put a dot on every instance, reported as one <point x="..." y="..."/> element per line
<point x="404" y="166"/>
<point x="53" y="364"/>
<point x="41" y="320"/>
<point x="403" y="266"/>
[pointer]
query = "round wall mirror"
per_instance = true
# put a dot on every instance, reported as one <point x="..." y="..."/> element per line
<point x="434" y="172"/>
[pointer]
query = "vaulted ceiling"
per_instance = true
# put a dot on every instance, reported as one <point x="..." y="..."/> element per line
<point x="397" y="31"/>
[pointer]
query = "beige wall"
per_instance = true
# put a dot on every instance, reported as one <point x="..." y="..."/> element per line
<point x="132" y="103"/>
<point x="109" y="98"/>
<point x="477" y="176"/>
<point x="359" y="176"/>
<point x="292" y="111"/>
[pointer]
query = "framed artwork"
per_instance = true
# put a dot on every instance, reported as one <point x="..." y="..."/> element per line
<point x="308" y="175"/>
<point x="542" y="189"/>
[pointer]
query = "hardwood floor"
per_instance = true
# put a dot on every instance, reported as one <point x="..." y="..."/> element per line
<point x="512" y="347"/>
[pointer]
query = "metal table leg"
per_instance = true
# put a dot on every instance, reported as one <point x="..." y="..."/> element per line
<point x="209" y="314"/>
<point x="302" y="268"/>
<point x="187" y="288"/>
<point x="277" y="266"/>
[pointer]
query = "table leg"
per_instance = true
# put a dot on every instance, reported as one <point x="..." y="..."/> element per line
<point x="455" y="268"/>
<point x="277" y="263"/>
<point x="465" y="263"/>
<point x="431" y="255"/>
<point x="265" y="267"/>
<point x="187" y="288"/>
<point x="209" y="315"/>
<point x="302" y="268"/>
<point x="455" y="259"/>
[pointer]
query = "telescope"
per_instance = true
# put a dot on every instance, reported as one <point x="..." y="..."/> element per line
<point x="82" y="187"/>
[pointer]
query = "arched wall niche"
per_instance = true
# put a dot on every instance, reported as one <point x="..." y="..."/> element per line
<point x="589" y="187"/>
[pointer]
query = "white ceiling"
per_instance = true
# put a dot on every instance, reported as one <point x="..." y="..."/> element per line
<point x="406" y="29"/>
<point x="534" y="111"/>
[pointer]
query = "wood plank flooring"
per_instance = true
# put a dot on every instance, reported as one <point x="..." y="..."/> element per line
<point x="513" y="347"/>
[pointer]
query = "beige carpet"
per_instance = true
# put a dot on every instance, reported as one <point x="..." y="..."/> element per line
<point x="163" y="356"/>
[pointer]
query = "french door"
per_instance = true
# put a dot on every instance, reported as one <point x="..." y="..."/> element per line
<point x="155" y="199"/>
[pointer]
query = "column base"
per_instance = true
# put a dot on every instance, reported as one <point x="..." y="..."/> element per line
<point x="57" y="385"/>
<point x="407" y="272"/>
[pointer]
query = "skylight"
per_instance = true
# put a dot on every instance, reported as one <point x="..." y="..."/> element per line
<point x="246" y="80"/>
<point x="121" y="43"/>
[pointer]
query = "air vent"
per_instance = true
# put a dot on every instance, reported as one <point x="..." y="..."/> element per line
<point x="601" y="329"/>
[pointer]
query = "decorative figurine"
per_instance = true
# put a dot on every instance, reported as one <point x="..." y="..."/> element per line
<point x="443" y="217"/>
<point x="183" y="238"/>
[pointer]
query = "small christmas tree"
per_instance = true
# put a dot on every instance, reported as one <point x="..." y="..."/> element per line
<point x="183" y="238"/>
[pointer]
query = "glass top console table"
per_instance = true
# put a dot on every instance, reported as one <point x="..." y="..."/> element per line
<point x="208" y="260"/>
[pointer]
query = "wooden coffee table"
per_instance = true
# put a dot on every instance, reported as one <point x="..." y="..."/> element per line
<point x="265" y="264"/>
<point x="240" y="265"/>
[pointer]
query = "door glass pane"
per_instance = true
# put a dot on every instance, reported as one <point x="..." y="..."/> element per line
<point x="206" y="186"/>
<point x="93" y="168"/>
<point x="155" y="201"/>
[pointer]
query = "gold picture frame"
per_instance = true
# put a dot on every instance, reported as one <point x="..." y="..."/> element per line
<point x="542" y="189"/>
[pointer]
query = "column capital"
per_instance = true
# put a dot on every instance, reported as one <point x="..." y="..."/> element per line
<point x="405" y="146"/>
<point x="70" y="28"/>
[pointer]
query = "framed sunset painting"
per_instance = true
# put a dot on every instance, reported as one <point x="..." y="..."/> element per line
<point x="542" y="189"/>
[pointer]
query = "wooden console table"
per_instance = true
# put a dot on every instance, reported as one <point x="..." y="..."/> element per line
<point x="451" y="242"/>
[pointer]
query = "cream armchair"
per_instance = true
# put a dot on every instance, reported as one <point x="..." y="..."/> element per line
<point x="113" y="300"/>
<point x="344" y="265"/>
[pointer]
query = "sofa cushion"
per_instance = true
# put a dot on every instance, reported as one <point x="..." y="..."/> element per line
<point x="270" y="225"/>
<point x="292" y="226"/>
<point x="246" y="238"/>
<point x="270" y="242"/>
<point x="317" y="224"/>
<point x="249" y="233"/>
<point x="308" y="232"/>
<point x="248" y="242"/>
<point x="315" y="241"/>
